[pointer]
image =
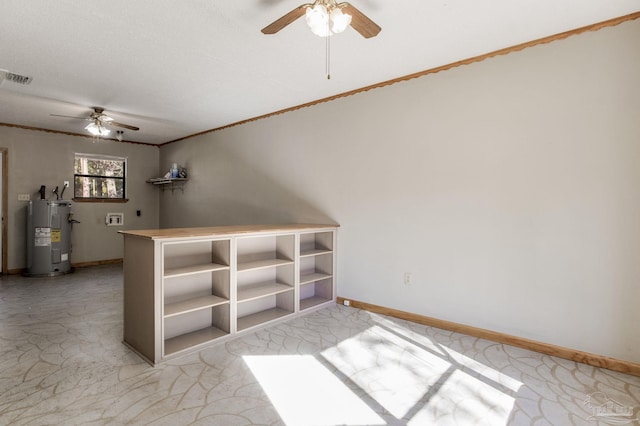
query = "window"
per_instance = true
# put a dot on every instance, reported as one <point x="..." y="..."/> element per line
<point x="99" y="177"/>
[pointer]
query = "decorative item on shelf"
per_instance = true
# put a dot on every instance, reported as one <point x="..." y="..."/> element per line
<point x="173" y="179"/>
<point x="176" y="172"/>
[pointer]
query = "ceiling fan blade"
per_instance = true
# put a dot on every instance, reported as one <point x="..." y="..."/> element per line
<point x="68" y="116"/>
<point x="285" y="20"/>
<point x="125" y="126"/>
<point x="360" y="22"/>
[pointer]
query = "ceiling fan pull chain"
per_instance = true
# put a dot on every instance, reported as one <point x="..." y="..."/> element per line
<point x="328" y="53"/>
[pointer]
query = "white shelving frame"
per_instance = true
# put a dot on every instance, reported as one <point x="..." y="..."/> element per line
<point x="316" y="269"/>
<point x="265" y="280"/>
<point x="185" y="292"/>
<point x="196" y="293"/>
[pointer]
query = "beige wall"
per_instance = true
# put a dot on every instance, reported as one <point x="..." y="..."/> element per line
<point x="41" y="158"/>
<point x="509" y="188"/>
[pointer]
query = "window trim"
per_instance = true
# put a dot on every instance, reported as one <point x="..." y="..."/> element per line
<point x="99" y="199"/>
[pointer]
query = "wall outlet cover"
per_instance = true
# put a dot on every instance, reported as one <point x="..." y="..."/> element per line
<point x="114" y="219"/>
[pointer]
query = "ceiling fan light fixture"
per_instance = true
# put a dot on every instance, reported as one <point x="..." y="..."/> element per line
<point x="326" y="20"/>
<point x="327" y="17"/>
<point x="97" y="129"/>
<point x="339" y="20"/>
<point x="318" y="19"/>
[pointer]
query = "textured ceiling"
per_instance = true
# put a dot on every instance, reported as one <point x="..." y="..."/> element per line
<point x="175" y="68"/>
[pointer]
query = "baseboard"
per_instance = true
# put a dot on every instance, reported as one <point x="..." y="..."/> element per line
<point x="96" y="263"/>
<point x="19" y="271"/>
<point x="614" y="364"/>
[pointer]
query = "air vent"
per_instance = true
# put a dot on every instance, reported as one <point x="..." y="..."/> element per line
<point x="16" y="78"/>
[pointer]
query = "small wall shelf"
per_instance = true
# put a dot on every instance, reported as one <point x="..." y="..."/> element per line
<point x="169" y="183"/>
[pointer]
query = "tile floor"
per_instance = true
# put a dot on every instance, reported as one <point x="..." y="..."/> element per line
<point x="62" y="363"/>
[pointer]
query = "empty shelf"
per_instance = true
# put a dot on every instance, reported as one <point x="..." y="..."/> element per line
<point x="194" y="269"/>
<point x="314" y="252"/>
<point x="312" y="301"/>
<point x="186" y="341"/>
<point x="191" y="305"/>
<point x="313" y="277"/>
<point x="255" y="291"/>
<point x="261" y="317"/>
<point x="260" y="264"/>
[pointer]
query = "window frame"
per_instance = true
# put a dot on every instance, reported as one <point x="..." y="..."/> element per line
<point x="98" y="157"/>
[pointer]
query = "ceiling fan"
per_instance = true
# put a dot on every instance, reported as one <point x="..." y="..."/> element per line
<point x="327" y="17"/>
<point x="99" y="120"/>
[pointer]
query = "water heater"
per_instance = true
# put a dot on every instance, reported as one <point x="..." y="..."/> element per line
<point x="48" y="237"/>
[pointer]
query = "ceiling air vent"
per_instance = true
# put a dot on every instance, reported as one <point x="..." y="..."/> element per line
<point x="16" y="78"/>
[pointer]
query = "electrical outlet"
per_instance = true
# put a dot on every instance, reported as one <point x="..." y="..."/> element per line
<point x="24" y="197"/>
<point x="65" y="183"/>
<point x="408" y="278"/>
<point x="114" y="219"/>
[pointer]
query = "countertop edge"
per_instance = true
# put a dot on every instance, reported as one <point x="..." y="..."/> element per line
<point x="214" y="231"/>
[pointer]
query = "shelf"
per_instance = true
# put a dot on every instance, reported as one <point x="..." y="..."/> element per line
<point x="191" y="305"/>
<point x="171" y="183"/>
<point x="261" y="264"/>
<point x="165" y="181"/>
<point x="310" y="278"/>
<point x="312" y="301"/>
<point x="314" y="252"/>
<point x="260" y="318"/>
<point x="255" y="291"/>
<point x="195" y="269"/>
<point x="186" y="341"/>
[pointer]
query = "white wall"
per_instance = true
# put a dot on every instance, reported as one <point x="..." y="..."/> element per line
<point x="42" y="158"/>
<point x="510" y="189"/>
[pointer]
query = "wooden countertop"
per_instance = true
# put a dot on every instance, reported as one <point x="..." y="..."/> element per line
<point x="157" y="234"/>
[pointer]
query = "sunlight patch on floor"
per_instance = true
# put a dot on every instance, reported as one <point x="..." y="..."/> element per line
<point x="304" y="392"/>
<point x="407" y="378"/>
<point x="463" y="399"/>
<point x="391" y="370"/>
<point x="459" y="358"/>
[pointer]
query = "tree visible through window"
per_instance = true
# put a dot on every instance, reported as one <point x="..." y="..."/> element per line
<point x="99" y="176"/>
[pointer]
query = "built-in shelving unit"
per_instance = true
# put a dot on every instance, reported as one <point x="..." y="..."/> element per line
<point x="188" y="288"/>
